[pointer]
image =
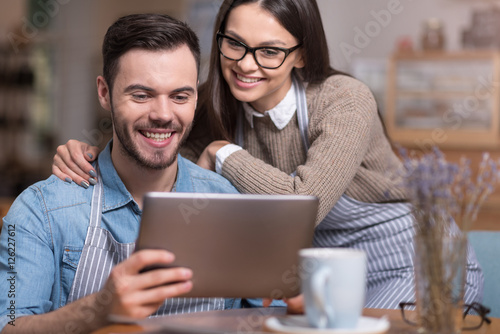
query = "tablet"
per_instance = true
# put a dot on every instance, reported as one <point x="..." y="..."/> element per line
<point x="239" y="246"/>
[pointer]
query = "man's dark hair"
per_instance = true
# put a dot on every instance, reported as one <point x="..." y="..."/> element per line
<point x="154" y="32"/>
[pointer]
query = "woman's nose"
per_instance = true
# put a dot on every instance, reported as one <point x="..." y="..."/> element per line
<point x="248" y="63"/>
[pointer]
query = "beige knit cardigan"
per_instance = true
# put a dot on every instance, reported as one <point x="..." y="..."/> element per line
<point x="349" y="152"/>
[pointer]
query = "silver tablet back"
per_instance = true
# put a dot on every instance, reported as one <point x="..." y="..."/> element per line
<point x="237" y="245"/>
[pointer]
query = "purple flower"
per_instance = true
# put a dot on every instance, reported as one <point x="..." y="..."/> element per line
<point x="442" y="192"/>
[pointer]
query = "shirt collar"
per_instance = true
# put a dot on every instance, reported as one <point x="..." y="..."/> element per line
<point x="184" y="180"/>
<point x="280" y="115"/>
<point x="116" y="194"/>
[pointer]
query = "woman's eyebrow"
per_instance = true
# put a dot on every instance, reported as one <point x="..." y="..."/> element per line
<point x="270" y="42"/>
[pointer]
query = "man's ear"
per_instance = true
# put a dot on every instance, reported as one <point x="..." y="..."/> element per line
<point x="103" y="93"/>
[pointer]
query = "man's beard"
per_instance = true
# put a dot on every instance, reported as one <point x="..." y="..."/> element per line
<point x="129" y="148"/>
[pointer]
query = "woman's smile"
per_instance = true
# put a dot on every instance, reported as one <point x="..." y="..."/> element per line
<point x="246" y="82"/>
<point x="246" y="79"/>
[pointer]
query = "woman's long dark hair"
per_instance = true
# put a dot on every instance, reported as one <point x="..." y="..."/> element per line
<point x="217" y="108"/>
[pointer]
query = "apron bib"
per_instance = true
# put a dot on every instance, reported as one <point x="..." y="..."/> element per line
<point x="102" y="252"/>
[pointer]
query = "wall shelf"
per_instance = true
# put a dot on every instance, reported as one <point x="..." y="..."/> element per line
<point x="446" y="99"/>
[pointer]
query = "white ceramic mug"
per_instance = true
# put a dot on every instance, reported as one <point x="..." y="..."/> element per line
<point x="333" y="284"/>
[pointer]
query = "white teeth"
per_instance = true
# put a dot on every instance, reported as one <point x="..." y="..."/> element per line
<point x="158" y="136"/>
<point x="247" y="80"/>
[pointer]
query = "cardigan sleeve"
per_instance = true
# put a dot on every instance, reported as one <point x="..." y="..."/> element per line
<point x="342" y="116"/>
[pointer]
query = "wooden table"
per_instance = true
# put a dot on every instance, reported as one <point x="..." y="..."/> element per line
<point x="251" y="320"/>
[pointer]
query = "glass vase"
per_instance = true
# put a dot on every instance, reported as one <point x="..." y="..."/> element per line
<point x="440" y="271"/>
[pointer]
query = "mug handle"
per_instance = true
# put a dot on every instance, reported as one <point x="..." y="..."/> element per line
<point x="319" y="289"/>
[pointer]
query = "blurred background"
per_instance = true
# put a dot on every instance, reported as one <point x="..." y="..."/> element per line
<point x="433" y="66"/>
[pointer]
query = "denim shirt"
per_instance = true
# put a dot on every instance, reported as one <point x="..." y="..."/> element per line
<point x="44" y="232"/>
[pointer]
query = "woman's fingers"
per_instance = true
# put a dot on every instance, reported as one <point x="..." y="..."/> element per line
<point x="63" y="167"/>
<point x="295" y="304"/>
<point x="266" y="302"/>
<point x="80" y="154"/>
<point x="208" y="156"/>
<point x="63" y="176"/>
<point x="205" y="162"/>
<point x="71" y="163"/>
<point x="91" y="152"/>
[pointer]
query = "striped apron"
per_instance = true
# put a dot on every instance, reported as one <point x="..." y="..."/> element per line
<point x="384" y="231"/>
<point x="102" y="252"/>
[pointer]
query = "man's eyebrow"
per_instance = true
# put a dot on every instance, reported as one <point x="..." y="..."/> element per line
<point x="187" y="89"/>
<point x="137" y="87"/>
<point x="133" y="87"/>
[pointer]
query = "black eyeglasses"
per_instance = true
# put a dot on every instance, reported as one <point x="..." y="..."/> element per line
<point x="477" y="311"/>
<point x="269" y="57"/>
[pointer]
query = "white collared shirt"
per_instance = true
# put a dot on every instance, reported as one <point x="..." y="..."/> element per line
<point x="280" y="116"/>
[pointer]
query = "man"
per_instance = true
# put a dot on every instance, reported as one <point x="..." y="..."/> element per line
<point x="66" y="252"/>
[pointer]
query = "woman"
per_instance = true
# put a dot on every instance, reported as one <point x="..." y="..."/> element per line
<point x="278" y="119"/>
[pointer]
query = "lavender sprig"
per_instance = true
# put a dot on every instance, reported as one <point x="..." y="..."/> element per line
<point x="442" y="192"/>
